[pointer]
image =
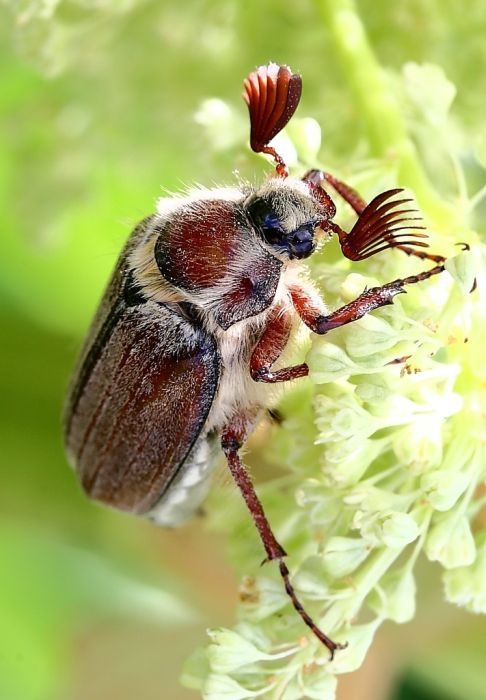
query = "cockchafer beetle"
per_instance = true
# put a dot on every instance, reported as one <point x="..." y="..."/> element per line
<point x="205" y="297"/>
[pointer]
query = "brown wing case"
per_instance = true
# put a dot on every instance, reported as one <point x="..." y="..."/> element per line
<point x="141" y="401"/>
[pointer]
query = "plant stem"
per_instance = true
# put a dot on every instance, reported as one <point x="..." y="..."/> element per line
<point x="378" y="107"/>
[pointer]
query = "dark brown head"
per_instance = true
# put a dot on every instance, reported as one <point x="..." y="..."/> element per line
<point x="287" y="218"/>
<point x="286" y="215"/>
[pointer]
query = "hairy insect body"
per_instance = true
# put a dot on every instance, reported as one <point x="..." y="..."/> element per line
<point x="198" y="284"/>
<point x="191" y="335"/>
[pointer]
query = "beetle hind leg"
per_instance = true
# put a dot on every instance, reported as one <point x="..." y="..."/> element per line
<point x="231" y="442"/>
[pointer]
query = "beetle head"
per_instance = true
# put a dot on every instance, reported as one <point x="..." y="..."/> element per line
<point x="286" y="216"/>
<point x="285" y="212"/>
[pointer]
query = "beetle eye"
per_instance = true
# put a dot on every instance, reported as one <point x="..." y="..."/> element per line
<point x="272" y="229"/>
<point x="298" y="243"/>
<point x="265" y="220"/>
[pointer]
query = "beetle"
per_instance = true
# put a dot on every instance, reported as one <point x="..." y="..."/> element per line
<point x="204" y="299"/>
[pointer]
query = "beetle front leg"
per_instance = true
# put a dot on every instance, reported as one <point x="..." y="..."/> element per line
<point x="369" y="300"/>
<point x="270" y="347"/>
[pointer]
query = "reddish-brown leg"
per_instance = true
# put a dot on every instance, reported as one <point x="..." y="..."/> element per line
<point x="280" y="166"/>
<point x="269" y="349"/>
<point x="420" y="254"/>
<point x="369" y="300"/>
<point x="231" y="441"/>
<point x="286" y="374"/>
<point x="354" y="199"/>
<point x="311" y="311"/>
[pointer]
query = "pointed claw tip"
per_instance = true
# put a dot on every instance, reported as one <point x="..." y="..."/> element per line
<point x="336" y="646"/>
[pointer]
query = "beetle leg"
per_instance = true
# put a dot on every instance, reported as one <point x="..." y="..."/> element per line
<point x="369" y="300"/>
<point x="286" y="374"/>
<point x="353" y="198"/>
<point x="269" y="348"/>
<point x="420" y="254"/>
<point x="231" y="441"/>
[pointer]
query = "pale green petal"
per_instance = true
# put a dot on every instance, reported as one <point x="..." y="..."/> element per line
<point x="450" y="542"/>
<point x="218" y="687"/>
<point x="466" y="585"/>
<point x="342" y="555"/>
<point x="359" y="639"/>
<point x="396" y="597"/>
<point x="464" y="269"/>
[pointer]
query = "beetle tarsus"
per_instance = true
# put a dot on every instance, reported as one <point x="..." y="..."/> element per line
<point x="367" y="301"/>
<point x="332" y="646"/>
<point x="420" y="254"/>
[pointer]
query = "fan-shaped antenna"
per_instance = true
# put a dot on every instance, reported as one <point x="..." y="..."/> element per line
<point x="272" y="94"/>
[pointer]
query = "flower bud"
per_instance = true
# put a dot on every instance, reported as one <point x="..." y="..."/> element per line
<point x="463" y="269"/>
<point x="373" y="389"/>
<point x="318" y="684"/>
<point x="322" y="506"/>
<point x="420" y="444"/>
<point x="219" y="687"/>
<point x="374" y="500"/>
<point x="311" y="580"/>
<point x="396" y="600"/>
<point x="466" y="585"/>
<point x="346" y="461"/>
<point x="195" y="670"/>
<point x="370" y="335"/>
<point x="392" y="529"/>
<point x="328" y="362"/>
<point x="353" y="421"/>
<point x="450" y="542"/>
<point x="229" y="651"/>
<point x="261" y="597"/>
<point x="342" y="555"/>
<point x="442" y="487"/>
<point x="398" y="530"/>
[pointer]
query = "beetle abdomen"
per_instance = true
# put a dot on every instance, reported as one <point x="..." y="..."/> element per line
<point x="190" y="487"/>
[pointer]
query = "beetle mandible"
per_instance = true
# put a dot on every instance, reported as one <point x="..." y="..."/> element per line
<point x="204" y="298"/>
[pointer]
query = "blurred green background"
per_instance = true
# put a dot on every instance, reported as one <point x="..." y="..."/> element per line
<point x="97" y="106"/>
